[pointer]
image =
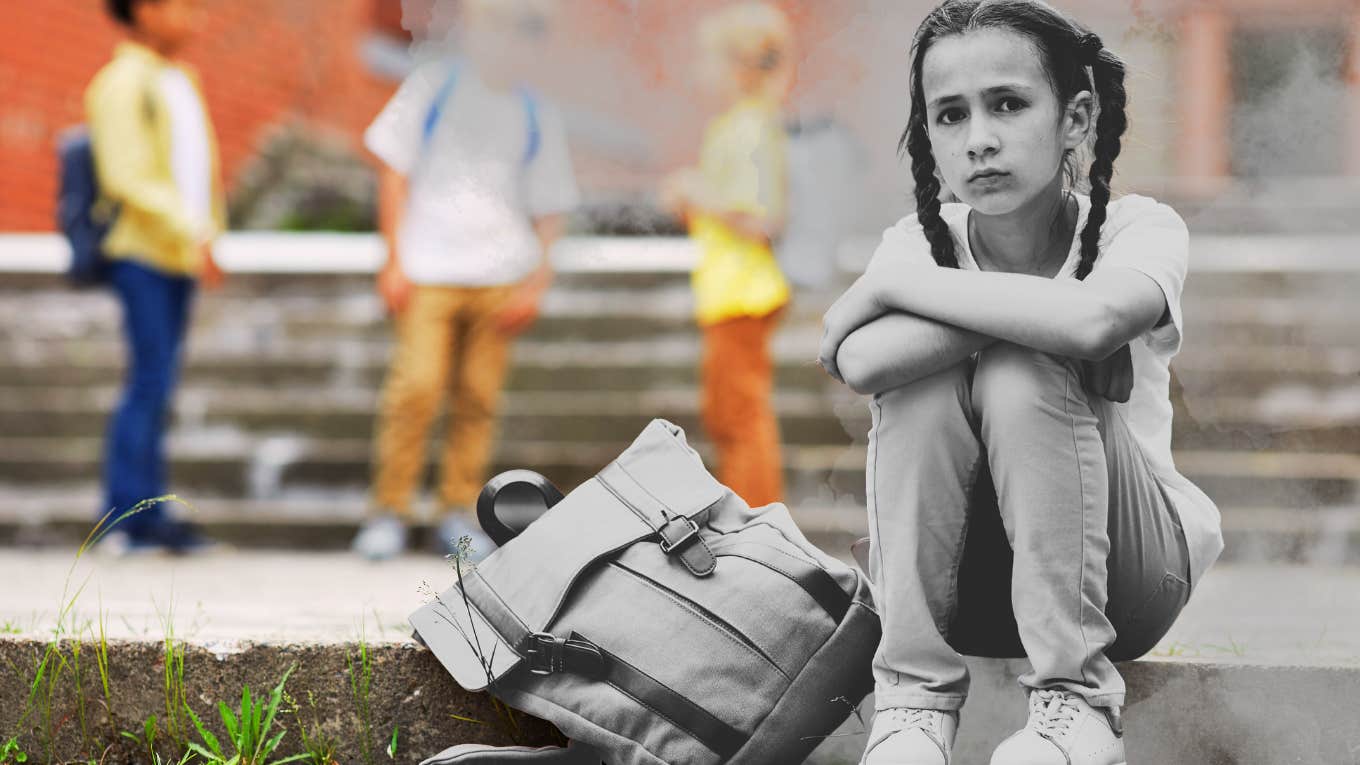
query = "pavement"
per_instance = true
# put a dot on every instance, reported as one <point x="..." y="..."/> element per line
<point x="1257" y="614"/>
<point x="1261" y="669"/>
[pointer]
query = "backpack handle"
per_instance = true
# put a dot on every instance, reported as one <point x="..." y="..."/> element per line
<point x="512" y="500"/>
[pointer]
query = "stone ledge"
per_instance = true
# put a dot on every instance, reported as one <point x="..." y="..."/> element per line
<point x="409" y="691"/>
<point x="1195" y="712"/>
<point x="1178" y="712"/>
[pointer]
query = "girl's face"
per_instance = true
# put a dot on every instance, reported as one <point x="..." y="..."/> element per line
<point x="997" y="129"/>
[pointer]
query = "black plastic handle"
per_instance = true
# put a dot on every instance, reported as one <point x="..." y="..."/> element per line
<point x="512" y="500"/>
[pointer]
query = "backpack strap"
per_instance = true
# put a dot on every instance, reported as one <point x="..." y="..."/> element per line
<point x="677" y="533"/>
<point x="441" y="99"/>
<point x="575" y="753"/>
<point x="546" y="654"/>
<point x="531" y="117"/>
<point x="436" y="111"/>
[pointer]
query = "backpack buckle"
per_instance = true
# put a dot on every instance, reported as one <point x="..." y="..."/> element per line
<point x="544" y="653"/>
<point x="668" y="544"/>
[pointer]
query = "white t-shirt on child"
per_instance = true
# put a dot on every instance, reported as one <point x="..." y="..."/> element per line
<point x="190" y="158"/>
<point x="1145" y="235"/>
<point x="471" y="196"/>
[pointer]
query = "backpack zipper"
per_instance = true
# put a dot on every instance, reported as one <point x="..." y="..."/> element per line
<point x="703" y="613"/>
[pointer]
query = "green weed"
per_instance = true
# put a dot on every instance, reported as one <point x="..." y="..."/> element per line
<point x="101" y="660"/>
<point x="147" y="741"/>
<point x="172" y="681"/>
<point x="11" y="752"/>
<point x="1233" y="647"/>
<point x="360" y="685"/>
<point x="248" y="731"/>
<point x="61" y="654"/>
<point x="320" y="747"/>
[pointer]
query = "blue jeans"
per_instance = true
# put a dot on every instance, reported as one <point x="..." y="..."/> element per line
<point x="1012" y="514"/>
<point x="155" y="317"/>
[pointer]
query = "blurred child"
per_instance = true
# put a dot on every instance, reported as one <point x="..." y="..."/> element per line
<point x="734" y="204"/>
<point x="155" y="159"/>
<point x="475" y="185"/>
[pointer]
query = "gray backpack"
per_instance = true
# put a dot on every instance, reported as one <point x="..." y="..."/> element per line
<point x="654" y="616"/>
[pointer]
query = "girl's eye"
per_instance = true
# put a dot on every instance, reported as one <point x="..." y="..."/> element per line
<point x="1010" y="104"/>
<point x="950" y="117"/>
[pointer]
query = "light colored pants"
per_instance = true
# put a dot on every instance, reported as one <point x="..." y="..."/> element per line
<point x="1012" y="514"/>
<point x="448" y="347"/>
<point x="738" y="413"/>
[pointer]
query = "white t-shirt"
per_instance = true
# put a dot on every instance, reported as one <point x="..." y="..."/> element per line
<point x="190" y="163"/>
<point x="1145" y="235"/>
<point x="472" y="198"/>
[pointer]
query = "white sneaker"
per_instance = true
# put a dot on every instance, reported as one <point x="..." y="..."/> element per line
<point x="907" y="736"/>
<point x="1063" y="729"/>
<point x="455" y="526"/>
<point x="381" y="537"/>
<point x="120" y="544"/>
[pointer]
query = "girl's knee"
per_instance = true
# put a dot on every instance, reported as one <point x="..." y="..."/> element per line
<point x="945" y="387"/>
<point x="1011" y="376"/>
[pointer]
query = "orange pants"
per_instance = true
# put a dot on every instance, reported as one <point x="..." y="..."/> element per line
<point x="447" y="347"/>
<point x="738" y="382"/>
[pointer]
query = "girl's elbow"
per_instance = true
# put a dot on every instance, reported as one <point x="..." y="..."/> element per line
<point x="1100" y="336"/>
<point x="863" y="386"/>
<point x="854" y="368"/>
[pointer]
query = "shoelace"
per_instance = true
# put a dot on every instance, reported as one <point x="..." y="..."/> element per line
<point x="912" y="718"/>
<point x="1052" y="713"/>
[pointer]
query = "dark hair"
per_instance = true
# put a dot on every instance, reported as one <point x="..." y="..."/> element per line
<point x="121" y="11"/>
<point x="1067" y="49"/>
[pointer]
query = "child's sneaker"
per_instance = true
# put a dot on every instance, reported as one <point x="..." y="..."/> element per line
<point x="381" y="537"/>
<point x="906" y="736"/>
<point x="120" y="544"/>
<point x="1063" y="729"/>
<point x="458" y="524"/>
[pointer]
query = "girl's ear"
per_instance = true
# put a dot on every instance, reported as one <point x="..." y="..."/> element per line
<point x="1078" y="123"/>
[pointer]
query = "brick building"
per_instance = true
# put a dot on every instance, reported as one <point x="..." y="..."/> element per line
<point x="1222" y="93"/>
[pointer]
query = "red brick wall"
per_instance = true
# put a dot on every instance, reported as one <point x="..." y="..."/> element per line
<point x="263" y="62"/>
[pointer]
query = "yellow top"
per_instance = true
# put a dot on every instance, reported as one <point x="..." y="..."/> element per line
<point x="130" y="139"/>
<point x="742" y="163"/>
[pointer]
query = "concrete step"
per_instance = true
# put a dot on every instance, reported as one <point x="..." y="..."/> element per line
<point x="828" y="417"/>
<point x="1265" y="685"/>
<point x="1241" y="277"/>
<point x="229" y="463"/>
<point x="585" y="304"/>
<point x="56" y="517"/>
<point x="1223" y="371"/>
<point x="599" y="314"/>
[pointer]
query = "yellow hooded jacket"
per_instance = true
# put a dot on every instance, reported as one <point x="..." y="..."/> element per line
<point x="130" y="138"/>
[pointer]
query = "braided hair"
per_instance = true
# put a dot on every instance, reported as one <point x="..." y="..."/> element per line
<point x="1068" y="50"/>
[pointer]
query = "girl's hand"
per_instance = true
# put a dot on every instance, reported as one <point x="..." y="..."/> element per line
<point x="680" y="190"/>
<point x="858" y="306"/>
<point x="1110" y="378"/>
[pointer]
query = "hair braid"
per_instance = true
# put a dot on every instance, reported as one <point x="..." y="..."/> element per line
<point x="1108" y="72"/>
<point x="917" y="143"/>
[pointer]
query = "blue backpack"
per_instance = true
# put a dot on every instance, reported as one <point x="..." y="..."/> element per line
<point x="76" y="199"/>
<point x="441" y="100"/>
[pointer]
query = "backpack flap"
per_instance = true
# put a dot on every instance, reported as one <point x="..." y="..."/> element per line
<point x="658" y="488"/>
